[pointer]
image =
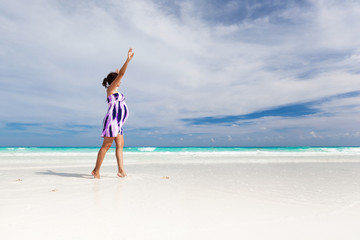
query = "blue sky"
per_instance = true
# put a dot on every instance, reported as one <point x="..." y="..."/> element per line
<point x="205" y="73"/>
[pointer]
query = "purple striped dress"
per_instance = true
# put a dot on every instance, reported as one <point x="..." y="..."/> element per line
<point x="116" y="116"/>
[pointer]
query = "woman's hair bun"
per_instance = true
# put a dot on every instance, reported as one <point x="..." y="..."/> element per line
<point x="105" y="82"/>
<point x="109" y="79"/>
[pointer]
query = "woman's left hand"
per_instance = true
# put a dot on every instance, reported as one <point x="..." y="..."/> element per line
<point x="130" y="54"/>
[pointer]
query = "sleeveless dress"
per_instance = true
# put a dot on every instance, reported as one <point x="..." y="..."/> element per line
<point x="116" y="116"/>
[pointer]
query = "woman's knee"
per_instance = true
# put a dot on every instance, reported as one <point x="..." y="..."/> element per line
<point x="106" y="146"/>
<point x="120" y="144"/>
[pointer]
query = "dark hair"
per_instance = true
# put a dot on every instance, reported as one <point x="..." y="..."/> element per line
<point x="109" y="79"/>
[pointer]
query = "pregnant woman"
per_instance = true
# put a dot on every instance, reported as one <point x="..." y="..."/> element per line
<point x="114" y="119"/>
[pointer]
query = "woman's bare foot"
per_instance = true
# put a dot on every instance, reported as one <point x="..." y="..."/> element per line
<point x="95" y="174"/>
<point x="122" y="173"/>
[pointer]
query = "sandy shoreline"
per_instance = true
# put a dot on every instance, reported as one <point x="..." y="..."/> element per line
<point x="58" y="199"/>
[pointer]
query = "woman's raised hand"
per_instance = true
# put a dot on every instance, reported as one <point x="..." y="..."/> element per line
<point x="130" y="54"/>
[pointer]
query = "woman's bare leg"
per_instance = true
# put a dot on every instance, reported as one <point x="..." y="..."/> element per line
<point x="101" y="154"/>
<point x="119" y="140"/>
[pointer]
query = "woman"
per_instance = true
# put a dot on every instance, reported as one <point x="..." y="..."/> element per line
<point x="114" y="119"/>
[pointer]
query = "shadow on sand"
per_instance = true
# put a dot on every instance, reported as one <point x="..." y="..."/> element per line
<point x="65" y="174"/>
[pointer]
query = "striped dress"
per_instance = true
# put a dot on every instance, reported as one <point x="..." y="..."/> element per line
<point x="116" y="116"/>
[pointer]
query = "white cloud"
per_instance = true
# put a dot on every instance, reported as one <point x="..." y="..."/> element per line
<point x="313" y="134"/>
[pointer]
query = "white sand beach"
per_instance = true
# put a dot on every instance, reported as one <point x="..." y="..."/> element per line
<point x="181" y="196"/>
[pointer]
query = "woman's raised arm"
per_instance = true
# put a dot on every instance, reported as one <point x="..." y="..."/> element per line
<point x="122" y="71"/>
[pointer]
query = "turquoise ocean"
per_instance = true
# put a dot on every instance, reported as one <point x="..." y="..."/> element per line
<point x="13" y="151"/>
